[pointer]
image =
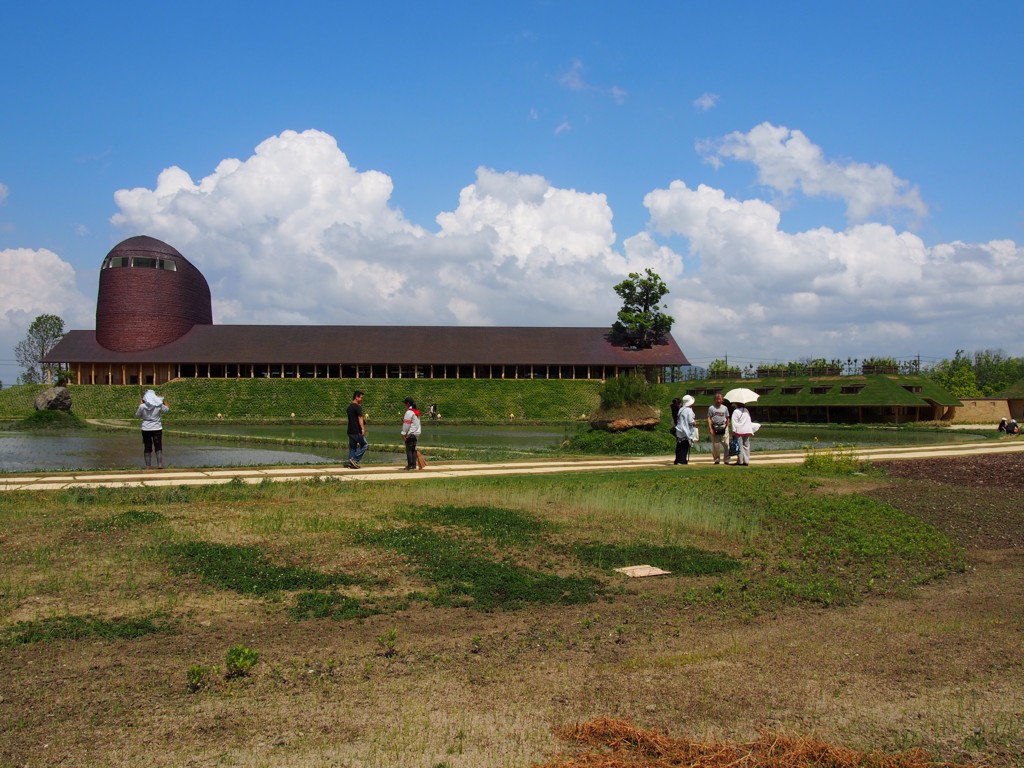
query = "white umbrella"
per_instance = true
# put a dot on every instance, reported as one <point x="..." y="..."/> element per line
<point x="741" y="395"/>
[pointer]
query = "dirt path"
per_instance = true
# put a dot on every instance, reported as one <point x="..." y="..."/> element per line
<point x="142" y="478"/>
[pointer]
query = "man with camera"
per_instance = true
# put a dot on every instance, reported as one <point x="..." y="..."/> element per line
<point x="718" y="428"/>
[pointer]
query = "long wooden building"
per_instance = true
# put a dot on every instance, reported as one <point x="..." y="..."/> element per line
<point x="154" y="324"/>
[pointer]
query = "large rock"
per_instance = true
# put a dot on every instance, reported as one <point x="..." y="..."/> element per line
<point x="629" y="417"/>
<point x="54" y="399"/>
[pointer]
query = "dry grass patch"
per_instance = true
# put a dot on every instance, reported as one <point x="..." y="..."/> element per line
<point x="609" y="743"/>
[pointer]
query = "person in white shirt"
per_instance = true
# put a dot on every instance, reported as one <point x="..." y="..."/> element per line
<point x="743" y="429"/>
<point x="686" y="431"/>
<point x="150" y="410"/>
<point x="410" y="432"/>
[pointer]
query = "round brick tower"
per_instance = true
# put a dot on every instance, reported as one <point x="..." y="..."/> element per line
<point x="149" y="295"/>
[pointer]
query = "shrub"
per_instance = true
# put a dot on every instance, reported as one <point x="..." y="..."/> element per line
<point x="630" y="389"/>
<point x="839" y="459"/>
<point x="240" y="661"/>
<point x="632" y="442"/>
<point x="50" y="420"/>
<point x="197" y="676"/>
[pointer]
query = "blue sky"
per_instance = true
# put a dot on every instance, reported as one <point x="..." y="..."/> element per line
<point x="810" y="179"/>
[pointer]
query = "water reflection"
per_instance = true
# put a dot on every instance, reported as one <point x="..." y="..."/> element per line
<point x="517" y="437"/>
<point x="28" y="452"/>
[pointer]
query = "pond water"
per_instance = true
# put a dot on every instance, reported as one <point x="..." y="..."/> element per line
<point x="98" y="450"/>
<point x="508" y="437"/>
<point x="35" y="452"/>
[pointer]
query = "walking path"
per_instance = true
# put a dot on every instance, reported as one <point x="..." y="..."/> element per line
<point x="153" y="478"/>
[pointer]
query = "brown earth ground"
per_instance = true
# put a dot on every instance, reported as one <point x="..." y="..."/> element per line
<point x="941" y="668"/>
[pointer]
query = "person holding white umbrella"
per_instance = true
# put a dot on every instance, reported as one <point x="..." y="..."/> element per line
<point x="743" y="428"/>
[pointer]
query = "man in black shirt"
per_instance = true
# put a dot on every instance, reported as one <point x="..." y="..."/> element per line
<point x="356" y="431"/>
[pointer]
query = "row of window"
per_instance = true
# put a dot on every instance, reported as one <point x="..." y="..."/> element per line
<point x="150" y="374"/>
<point x="142" y="262"/>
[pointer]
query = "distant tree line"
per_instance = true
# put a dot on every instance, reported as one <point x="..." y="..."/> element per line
<point x="820" y="366"/>
<point x="985" y="373"/>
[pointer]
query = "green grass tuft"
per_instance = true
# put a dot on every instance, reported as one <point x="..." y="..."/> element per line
<point x="329" y="605"/>
<point x="132" y="518"/>
<point x="50" y="420"/>
<point x="632" y="442"/>
<point x="506" y="527"/>
<point x="464" y="574"/>
<point x="72" y="627"/>
<point x="243" y="569"/>
<point x="836" y="460"/>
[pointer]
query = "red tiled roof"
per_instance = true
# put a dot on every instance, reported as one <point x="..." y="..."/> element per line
<point x="361" y="345"/>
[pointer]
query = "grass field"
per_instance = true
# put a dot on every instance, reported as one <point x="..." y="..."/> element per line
<point x="462" y="622"/>
<point x="320" y="400"/>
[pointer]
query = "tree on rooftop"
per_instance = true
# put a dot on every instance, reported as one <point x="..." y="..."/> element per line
<point x="642" y="321"/>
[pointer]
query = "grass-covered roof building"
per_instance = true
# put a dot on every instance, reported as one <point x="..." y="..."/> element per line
<point x="875" y="398"/>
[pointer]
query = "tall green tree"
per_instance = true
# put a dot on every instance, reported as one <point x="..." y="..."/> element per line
<point x="957" y="376"/>
<point x="642" y="320"/>
<point x="42" y="336"/>
<point x="984" y="373"/>
<point x="996" y="372"/>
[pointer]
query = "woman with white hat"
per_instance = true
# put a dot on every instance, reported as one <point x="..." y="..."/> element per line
<point x="686" y="431"/>
<point x="150" y="410"/>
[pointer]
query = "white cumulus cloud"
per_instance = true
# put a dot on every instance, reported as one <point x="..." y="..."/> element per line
<point x="787" y="160"/>
<point x="869" y="289"/>
<point x="37" y="282"/>
<point x="295" y="234"/>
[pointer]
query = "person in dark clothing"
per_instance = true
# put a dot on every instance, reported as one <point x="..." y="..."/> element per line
<point x="357" y="444"/>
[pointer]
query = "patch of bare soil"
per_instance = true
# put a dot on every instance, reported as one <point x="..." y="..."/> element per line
<point x="974" y="499"/>
<point x="1003" y="470"/>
